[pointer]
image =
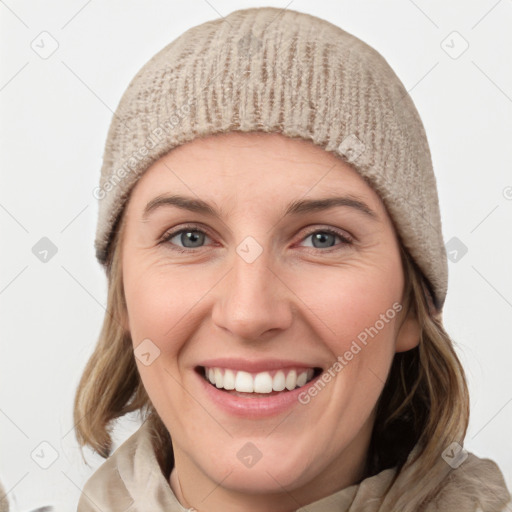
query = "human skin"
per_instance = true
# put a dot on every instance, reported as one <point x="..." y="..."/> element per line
<point x="296" y="301"/>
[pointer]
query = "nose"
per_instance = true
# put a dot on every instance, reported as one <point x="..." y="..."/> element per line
<point x="253" y="299"/>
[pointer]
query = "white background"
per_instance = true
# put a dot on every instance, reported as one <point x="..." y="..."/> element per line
<point x="54" y="118"/>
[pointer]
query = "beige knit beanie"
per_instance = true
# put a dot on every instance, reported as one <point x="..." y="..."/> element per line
<point x="273" y="70"/>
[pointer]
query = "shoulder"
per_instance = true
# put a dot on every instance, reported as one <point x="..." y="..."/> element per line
<point x="108" y="488"/>
<point x="130" y="480"/>
<point x="476" y="485"/>
<point x="105" y="490"/>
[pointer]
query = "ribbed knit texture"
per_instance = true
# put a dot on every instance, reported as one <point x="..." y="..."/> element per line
<point x="265" y="69"/>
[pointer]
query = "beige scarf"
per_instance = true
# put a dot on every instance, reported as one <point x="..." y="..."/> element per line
<point x="132" y="480"/>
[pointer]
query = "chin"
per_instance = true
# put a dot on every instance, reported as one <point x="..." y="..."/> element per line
<point x="270" y="474"/>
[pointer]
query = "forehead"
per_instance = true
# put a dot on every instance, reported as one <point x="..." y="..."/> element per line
<point x="251" y="167"/>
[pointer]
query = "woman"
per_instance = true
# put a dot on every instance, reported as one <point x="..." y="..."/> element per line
<point x="270" y="228"/>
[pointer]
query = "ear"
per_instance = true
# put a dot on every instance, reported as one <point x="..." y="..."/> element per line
<point x="408" y="335"/>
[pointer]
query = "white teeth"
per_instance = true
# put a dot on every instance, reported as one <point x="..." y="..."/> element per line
<point x="279" y="382"/>
<point x="218" y="378"/>
<point x="291" y="380"/>
<point x="301" y="379"/>
<point x="244" y="382"/>
<point x="229" y="379"/>
<point x="261" y="382"/>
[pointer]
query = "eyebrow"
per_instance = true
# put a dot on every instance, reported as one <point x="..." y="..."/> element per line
<point x="298" y="207"/>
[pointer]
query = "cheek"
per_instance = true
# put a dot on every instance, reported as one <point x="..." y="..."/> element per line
<point x="162" y="303"/>
<point x="355" y="310"/>
<point x="350" y="299"/>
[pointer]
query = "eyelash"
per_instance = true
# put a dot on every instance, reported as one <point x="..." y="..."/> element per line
<point x="192" y="227"/>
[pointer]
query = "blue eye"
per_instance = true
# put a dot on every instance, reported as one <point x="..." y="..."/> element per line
<point x="326" y="238"/>
<point x="192" y="237"/>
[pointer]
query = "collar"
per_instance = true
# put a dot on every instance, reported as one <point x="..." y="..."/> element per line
<point x="131" y="478"/>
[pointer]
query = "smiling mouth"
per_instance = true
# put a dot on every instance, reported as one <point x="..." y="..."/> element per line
<point x="269" y="383"/>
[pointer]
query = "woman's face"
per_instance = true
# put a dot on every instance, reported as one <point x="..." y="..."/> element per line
<point x="253" y="275"/>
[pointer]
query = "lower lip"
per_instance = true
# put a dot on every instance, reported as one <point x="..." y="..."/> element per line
<point x="254" y="407"/>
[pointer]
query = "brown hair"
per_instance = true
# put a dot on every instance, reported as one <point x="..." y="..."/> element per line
<point x="424" y="402"/>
